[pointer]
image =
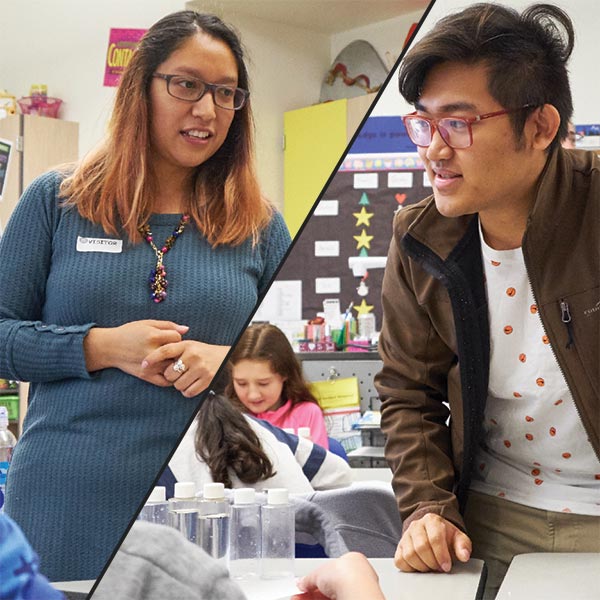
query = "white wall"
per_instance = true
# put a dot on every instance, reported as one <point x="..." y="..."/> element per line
<point x="386" y="37"/>
<point x="63" y="44"/>
<point x="583" y="66"/>
<point x="286" y="66"/>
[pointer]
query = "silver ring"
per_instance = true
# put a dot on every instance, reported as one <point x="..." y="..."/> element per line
<point x="179" y="366"/>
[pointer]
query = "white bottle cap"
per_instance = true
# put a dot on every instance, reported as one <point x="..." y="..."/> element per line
<point x="304" y="432"/>
<point x="244" y="496"/>
<point x="289" y="430"/>
<point x="184" y="489"/>
<point x="214" y="491"/>
<point x="3" y="416"/>
<point x="277" y="496"/>
<point x="158" y="494"/>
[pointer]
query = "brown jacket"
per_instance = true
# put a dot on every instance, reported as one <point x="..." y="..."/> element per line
<point x="435" y="335"/>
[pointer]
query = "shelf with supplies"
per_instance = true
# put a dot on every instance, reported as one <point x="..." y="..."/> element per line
<point x="352" y="396"/>
<point x="9" y="397"/>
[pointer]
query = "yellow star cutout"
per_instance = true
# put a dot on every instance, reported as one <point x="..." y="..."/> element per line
<point x="364" y="240"/>
<point x="363" y="217"/>
<point x="363" y="308"/>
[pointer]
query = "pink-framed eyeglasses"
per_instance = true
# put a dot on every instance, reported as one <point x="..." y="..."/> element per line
<point x="455" y="131"/>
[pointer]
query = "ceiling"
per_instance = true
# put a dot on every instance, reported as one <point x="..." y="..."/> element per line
<point x="325" y="16"/>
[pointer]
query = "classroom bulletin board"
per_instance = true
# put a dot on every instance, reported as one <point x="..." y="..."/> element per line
<point x="380" y="175"/>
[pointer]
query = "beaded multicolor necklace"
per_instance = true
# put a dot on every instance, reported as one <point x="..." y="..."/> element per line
<point x="158" y="276"/>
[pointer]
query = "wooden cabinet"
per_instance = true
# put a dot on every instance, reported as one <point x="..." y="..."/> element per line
<point x="37" y="145"/>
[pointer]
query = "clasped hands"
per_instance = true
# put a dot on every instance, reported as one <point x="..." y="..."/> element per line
<point x="150" y="349"/>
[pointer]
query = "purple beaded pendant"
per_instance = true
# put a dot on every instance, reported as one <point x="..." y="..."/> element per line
<point x="158" y="276"/>
<point x="158" y="283"/>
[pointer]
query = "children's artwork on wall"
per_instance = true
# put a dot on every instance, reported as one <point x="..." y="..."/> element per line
<point x="353" y="221"/>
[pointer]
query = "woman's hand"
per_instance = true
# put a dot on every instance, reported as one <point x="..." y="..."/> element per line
<point x="126" y="346"/>
<point x="188" y="365"/>
<point x="346" y="578"/>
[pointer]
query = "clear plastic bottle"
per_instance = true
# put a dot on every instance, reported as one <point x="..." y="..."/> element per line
<point x="244" y="548"/>
<point x="156" y="508"/>
<point x="7" y="443"/>
<point x="183" y="509"/>
<point x="278" y="536"/>
<point x="213" y="521"/>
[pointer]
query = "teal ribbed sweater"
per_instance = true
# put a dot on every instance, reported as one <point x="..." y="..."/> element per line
<point x="92" y="445"/>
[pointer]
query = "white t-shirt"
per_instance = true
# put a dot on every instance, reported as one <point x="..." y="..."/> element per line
<point x="535" y="449"/>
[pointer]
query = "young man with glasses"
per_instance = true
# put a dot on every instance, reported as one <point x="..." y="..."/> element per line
<point x="491" y="302"/>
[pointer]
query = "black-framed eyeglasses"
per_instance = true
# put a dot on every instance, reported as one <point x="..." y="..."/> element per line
<point x="191" y="89"/>
<point x="455" y="131"/>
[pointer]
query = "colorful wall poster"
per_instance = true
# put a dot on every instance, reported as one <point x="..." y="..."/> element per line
<point x="121" y="45"/>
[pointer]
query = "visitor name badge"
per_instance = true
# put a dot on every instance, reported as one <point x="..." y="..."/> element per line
<point x="85" y="244"/>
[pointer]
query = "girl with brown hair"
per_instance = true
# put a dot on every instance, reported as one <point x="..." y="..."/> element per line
<point x="118" y="356"/>
<point x="267" y="381"/>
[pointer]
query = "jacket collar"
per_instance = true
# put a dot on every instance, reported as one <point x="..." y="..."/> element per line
<point x="554" y="196"/>
<point x="442" y="234"/>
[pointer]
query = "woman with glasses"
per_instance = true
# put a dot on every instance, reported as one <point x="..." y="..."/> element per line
<point x="150" y="255"/>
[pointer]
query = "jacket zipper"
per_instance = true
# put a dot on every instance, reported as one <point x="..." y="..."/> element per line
<point x="438" y="269"/>
<point x="567" y="320"/>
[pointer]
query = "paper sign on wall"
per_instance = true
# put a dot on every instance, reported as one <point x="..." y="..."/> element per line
<point x="283" y="302"/>
<point x="327" y="208"/>
<point x="327" y="285"/>
<point x="327" y="248"/>
<point x="366" y="181"/>
<point x="121" y="45"/>
<point x="336" y="393"/>
<point x="400" y="180"/>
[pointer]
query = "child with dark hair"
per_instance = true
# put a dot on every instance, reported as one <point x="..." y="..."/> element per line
<point x="267" y="381"/>
<point x="234" y="448"/>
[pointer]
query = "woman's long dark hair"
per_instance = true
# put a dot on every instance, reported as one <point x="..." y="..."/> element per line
<point x="227" y="443"/>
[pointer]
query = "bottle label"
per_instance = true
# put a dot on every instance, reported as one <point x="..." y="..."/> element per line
<point x="3" y="472"/>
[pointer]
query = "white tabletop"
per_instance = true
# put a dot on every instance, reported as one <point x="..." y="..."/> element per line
<point x="83" y="586"/>
<point x="549" y="576"/>
<point x="367" y="452"/>
<point x="463" y="583"/>
<point x="374" y="474"/>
